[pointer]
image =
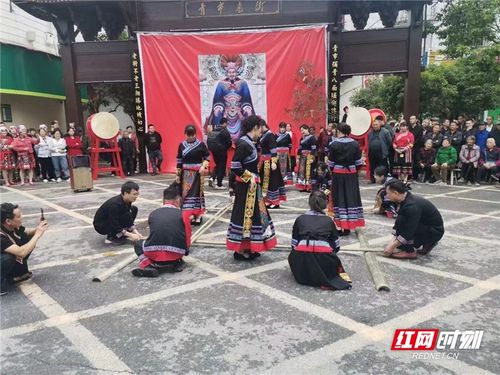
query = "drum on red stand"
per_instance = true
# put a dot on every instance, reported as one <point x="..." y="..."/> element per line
<point x="104" y="127"/>
<point x="360" y="120"/>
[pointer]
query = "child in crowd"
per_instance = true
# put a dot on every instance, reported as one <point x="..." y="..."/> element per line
<point x="322" y="178"/>
<point x="322" y="181"/>
<point x="426" y="157"/>
<point x="382" y="204"/>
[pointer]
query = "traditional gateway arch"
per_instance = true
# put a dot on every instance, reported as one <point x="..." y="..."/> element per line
<point x="391" y="50"/>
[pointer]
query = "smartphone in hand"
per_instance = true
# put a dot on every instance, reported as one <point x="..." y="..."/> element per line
<point x="42" y="218"/>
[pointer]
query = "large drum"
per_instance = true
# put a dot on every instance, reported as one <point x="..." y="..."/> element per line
<point x="359" y="120"/>
<point x="375" y="112"/>
<point x="103" y="125"/>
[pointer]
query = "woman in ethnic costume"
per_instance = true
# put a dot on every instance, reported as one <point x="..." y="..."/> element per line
<point x="273" y="188"/>
<point x="251" y="230"/>
<point x="306" y="153"/>
<point x="315" y="244"/>
<point x="402" y="145"/>
<point x="344" y="159"/>
<point x="283" y="148"/>
<point x="322" y="181"/>
<point x="23" y="146"/>
<point x="192" y="165"/>
<point x="7" y="160"/>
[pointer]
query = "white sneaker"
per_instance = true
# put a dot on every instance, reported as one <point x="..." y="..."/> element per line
<point x="58" y="180"/>
<point x="52" y="180"/>
<point x="45" y="180"/>
<point x="217" y="187"/>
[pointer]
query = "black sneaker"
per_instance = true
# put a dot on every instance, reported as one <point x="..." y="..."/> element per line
<point x="254" y="255"/>
<point x="145" y="272"/>
<point x="169" y="267"/>
<point x="249" y="257"/>
<point x="344" y="232"/>
<point x="426" y="248"/>
<point x="115" y="240"/>
<point x="28" y="275"/>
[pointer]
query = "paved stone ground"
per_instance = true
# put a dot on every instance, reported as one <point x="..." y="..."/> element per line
<point x="223" y="317"/>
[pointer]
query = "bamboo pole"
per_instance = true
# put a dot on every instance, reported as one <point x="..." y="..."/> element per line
<point x="286" y="248"/>
<point x="210" y="222"/>
<point x="376" y="272"/>
<point x="117" y="267"/>
<point x="372" y="263"/>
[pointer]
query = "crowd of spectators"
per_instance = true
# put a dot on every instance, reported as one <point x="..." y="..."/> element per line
<point x="432" y="150"/>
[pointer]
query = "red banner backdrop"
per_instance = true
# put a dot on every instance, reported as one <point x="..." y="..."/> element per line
<point x="280" y="75"/>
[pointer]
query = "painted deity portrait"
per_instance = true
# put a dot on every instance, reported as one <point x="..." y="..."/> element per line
<point x="233" y="87"/>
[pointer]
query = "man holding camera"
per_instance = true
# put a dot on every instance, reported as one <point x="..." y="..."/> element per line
<point x="16" y="245"/>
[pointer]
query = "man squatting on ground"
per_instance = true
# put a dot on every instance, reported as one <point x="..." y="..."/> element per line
<point x="419" y="223"/>
<point x="17" y="243"/>
<point x="169" y="237"/>
<point x="115" y="218"/>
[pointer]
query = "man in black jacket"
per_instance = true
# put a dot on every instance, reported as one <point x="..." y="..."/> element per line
<point x="418" y="134"/>
<point x="221" y="144"/>
<point x="17" y="244"/>
<point x="127" y="153"/>
<point x="379" y="143"/>
<point x="152" y="141"/>
<point x="419" y="223"/>
<point x="115" y="218"/>
<point x="169" y="237"/>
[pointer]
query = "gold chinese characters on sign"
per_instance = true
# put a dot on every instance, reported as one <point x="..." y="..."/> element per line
<point x="335" y="83"/>
<point x="224" y="8"/>
<point x="138" y="95"/>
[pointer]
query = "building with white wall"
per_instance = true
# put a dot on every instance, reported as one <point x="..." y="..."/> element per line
<point x="31" y="86"/>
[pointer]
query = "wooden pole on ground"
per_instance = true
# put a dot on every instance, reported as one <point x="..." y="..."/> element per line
<point x="286" y="248"/>
<point x="117" y="267"/>
<point x="210" y="222"/>
<point x="372" y="263"/>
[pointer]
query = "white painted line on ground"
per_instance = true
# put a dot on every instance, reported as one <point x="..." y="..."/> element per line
<point x="331" y="355"/>
<point x="163" y="185"/>
<point x="55" y="230"/>
<point x="470" y="218"/>
<point x="138" y="302"/>
<point x="54" y="206"/>
<point x="64" y="262"/>
<point x="429" y="270"/>
<point x="99" y="355"/>
<point x="470" y="199"/>
<point x="462" y="190"/>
